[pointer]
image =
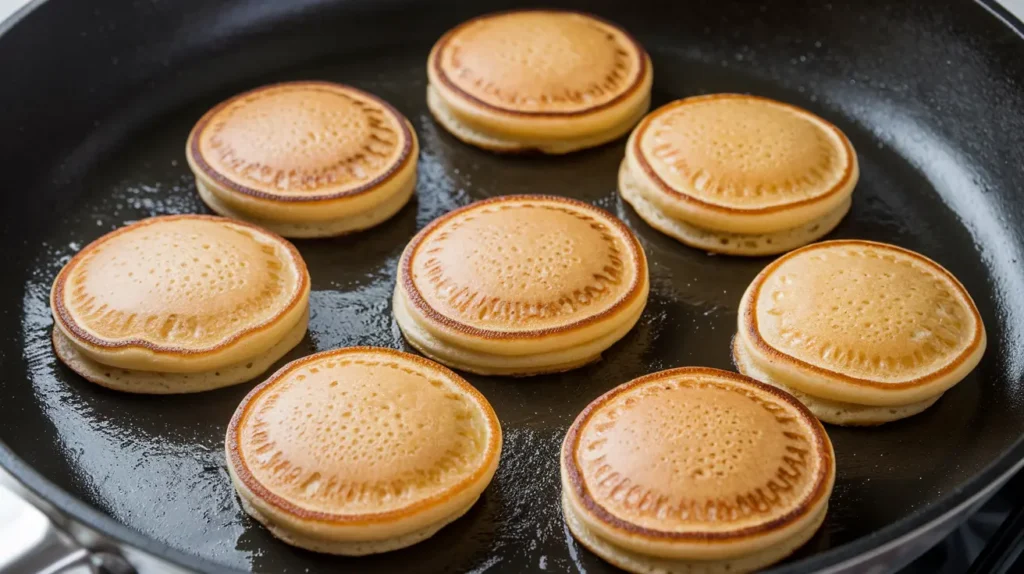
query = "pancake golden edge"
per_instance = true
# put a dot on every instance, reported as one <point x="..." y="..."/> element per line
<point x="465" y="130"/>
<point x="728" y="230"/>
<point x="312" y="229"/>
<point x="743" y="244"/>
<point x="640" y="550"/>
<point x="837" y="398"/>
<point x="159" y="383"/>
<point x="832" y="412"/>
<point x="322" y="215"/>
<point x="510" y="130"/>
<point x="638" y="563"/>
<point x="516" y="354"/>
<point x="365" y="533"/>
<point x="141" y="366"/>
<point x="483" y="363"/>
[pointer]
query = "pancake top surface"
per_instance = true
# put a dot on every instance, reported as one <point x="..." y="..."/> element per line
<point x="743" y="153"/>
<point x="301" y="141"/>
<point x="186" y="284"/>
<point x="864" y="311"/>
<point x="540" y="62"/>
<point x="697" y="454"/>
<point x="362" y="434"/>
<point x="522" y="266"/>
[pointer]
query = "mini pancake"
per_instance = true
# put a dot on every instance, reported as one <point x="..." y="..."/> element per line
<point x="520" y="285"/>
<point x="695" y="470"/>
<point x="361" y="450"/>
<point x="863" y="332"/>
<point x="305" y="159"/>
<point x="545" y="80"/>
<point x="738" y="174"/>
<point x="179" y="304"/>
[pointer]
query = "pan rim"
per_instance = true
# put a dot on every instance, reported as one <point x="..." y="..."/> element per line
<point x="967" y="493"/>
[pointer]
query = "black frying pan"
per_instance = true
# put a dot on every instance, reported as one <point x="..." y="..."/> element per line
<point x="99" y="96"/>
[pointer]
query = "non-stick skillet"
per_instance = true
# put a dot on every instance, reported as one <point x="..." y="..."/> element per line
<point x="97" y="99"/>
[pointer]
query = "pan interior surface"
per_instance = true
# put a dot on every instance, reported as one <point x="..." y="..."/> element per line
<point x="930" y="96"/>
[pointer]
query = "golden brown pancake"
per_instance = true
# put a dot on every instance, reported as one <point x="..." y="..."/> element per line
<point x="545" y="80"/>
<point x="207" y="297"/>
<point x="520" y="285"/>
<point x="695" y="470"/>
<point x="361" y="450"/>
<point x="860" y="323"/>
<point x="738" y="174"/>
<point x="305" y="159"/>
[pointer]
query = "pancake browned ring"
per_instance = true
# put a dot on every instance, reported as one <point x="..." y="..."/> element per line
<point x="859" y="322"/>
<point x="738" y="174"/>
<point x="678" y="469"/>
<point x="172" y="296"/>
<point x="361" y="450"/>
<point x="520" y="285"/>
<point x="547" y="80"/>
<point x="305" y="159"/>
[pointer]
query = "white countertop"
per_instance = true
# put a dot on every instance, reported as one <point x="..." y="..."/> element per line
<point x="1016" y="7"/>
<point x="7" y="7"/>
